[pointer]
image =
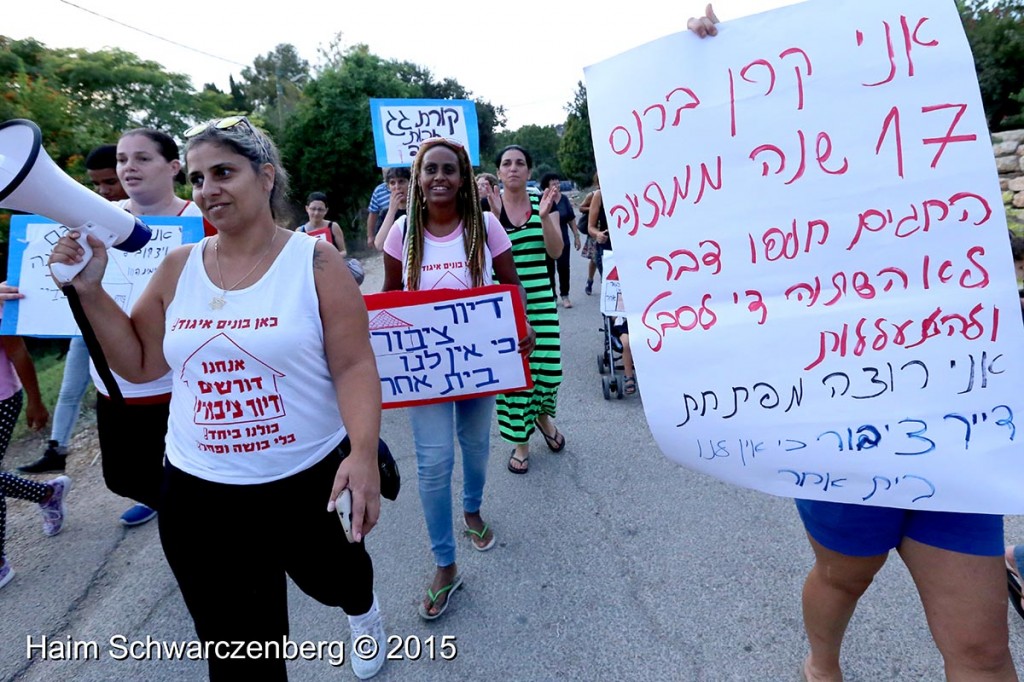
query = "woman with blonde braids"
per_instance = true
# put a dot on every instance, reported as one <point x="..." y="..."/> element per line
<point x="446" y="242"/>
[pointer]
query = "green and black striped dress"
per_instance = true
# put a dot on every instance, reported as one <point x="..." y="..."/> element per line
<point x="518" y="412"/>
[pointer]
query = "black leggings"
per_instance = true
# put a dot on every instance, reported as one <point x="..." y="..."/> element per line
<point x="561" y="264"/>
<point x="231" y="546"/>
<point x="11" y="485"/>
<point x="132" y="446"/>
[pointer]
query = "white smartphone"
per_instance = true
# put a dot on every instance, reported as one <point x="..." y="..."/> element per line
<point x="343" y="505"/>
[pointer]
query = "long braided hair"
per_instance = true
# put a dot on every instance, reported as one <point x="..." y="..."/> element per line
<point x="467" y="204"/>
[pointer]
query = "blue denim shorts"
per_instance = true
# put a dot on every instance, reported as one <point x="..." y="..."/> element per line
<point x="860" y="530"/>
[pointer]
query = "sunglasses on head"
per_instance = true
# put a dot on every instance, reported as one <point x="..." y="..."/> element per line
<point x="219" y="123"/>
<point x="442" y="140"/>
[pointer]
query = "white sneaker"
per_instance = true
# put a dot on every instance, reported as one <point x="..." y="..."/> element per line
<point x="363" y="628"/>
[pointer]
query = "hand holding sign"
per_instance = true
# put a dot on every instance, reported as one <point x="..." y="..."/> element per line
<point x="704" y="26"/>
<point x="814" y="215"/>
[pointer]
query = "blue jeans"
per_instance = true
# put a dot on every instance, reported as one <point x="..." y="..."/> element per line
<point x="434" y="428"/>
<point x="73" y="386"/>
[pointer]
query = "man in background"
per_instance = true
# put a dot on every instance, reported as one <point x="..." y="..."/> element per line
<point x="101" y="167"/>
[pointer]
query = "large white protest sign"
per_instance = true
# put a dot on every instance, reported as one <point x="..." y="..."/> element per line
<point x="448" y="344"/>
<point x="401" y="125"/>
<point x="44" y="311"/>
<point x="813" y="253"/>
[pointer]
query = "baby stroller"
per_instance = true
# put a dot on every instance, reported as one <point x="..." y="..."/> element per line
<point x="609" y="362"/>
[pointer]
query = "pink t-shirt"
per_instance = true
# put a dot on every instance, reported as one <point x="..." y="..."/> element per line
<point x="444" y="258"/>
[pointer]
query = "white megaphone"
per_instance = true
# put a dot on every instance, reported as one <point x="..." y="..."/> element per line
<point x="32" y="183"/>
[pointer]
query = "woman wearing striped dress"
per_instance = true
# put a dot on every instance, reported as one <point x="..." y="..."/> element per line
<point x="534" y="236"/>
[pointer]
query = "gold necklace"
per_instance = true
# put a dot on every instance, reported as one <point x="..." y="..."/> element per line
<point x="218" y="302"/>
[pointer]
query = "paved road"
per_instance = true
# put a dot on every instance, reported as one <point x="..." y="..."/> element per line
<point x="612" y="564"/>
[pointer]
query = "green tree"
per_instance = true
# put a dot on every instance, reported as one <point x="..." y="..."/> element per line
<point x="328" y="142"/>
<point x="541" y="141"/>
<point x="212" y="102"/>
<point x="273" y="84"/>
<point x="490" y="118"/>
<point x="576" y="148"/>
<point x="118" y="90"/>
<point x="42" y="102"/>
<point x="239" y="102"/>
<point x="81" y="98"/>
<point x="995" y="31"/>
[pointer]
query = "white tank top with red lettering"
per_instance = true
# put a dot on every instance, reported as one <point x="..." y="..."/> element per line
<point x="253" y="400"/>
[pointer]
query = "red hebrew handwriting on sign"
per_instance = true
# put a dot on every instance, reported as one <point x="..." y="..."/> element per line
<point x="810" y="242"/>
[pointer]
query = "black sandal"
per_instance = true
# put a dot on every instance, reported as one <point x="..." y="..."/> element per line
<point x="556" y="443"/>
<point x="521" y="461"/>
<point x="1016" y="589"/>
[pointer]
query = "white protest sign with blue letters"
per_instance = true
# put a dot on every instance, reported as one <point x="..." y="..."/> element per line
<point x="448" y="344"/>
<point x="401" y="125"/>
<point x="44" y="311"/>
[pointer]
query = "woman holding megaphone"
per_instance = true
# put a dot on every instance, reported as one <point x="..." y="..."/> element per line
<point x="266" y="338"/>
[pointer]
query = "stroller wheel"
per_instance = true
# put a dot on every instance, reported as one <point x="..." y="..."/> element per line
<point x="620" y="389"/>
<point x="602" y="364"/>
<point x="606" y="387"/>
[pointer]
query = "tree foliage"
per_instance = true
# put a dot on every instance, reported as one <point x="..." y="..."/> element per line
<point x="273" y="85"/>
<point x="490" y="118"/>
<point x="81" y="99"/>
<point x="320" y="118"/>
<point x="119" y="90"/>
<point x="540" y="141"/>
<point x="327" y="143"/>
<point x="995" y="30"/>
<point x="576" y="148"/>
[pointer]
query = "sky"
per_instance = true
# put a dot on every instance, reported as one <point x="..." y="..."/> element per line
<point x="528" y="58"/>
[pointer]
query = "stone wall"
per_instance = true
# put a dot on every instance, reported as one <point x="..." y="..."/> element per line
<point x="1008" y="147"/>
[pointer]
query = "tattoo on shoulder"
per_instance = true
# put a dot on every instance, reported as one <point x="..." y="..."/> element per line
<point x="318" y="259"/>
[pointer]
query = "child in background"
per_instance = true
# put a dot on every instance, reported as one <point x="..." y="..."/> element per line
<point x="17" y="371"/>
<point x="398" y="184"/>
<point x="485" y="184"/>
<point x="620" y="330"/>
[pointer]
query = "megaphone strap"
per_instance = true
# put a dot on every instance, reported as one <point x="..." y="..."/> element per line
<point x="93" y="345"/>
